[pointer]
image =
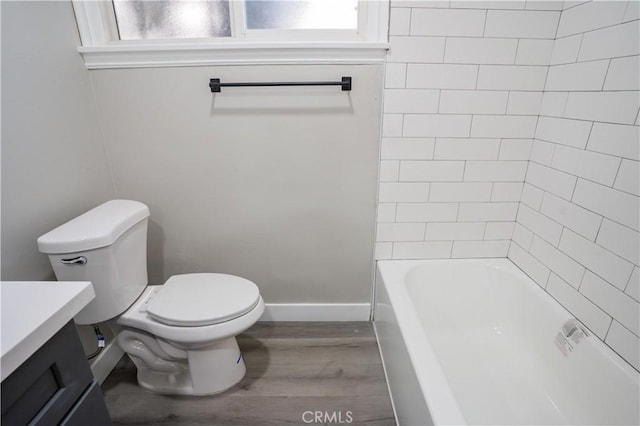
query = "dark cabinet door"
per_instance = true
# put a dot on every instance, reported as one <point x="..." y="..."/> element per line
<point x="45" y="388"/>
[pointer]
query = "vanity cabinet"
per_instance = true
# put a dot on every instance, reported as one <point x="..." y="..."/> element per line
<point x="54" y="386"/>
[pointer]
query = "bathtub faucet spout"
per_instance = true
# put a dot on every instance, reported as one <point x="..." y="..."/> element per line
<point x="575" y="330"/>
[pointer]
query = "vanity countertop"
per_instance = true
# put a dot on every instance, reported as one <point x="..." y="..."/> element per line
<point x="32" y="312"/>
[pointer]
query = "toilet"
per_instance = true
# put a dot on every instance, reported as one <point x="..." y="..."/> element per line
<point x="180" y="335"/>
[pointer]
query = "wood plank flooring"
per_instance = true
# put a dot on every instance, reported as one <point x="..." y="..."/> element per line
<point x="292" y="368"/>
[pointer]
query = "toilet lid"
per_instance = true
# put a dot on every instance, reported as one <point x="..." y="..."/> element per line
<point x="192" y="300"/>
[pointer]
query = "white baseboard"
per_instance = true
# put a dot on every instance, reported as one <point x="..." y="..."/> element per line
<point x="102" y="365"/>
<point x="316" y="312"/>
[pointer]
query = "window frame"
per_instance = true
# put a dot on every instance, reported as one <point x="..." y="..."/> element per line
<point x="101" y="47"/>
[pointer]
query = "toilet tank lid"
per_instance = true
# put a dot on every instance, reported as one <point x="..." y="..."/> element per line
<point x="99" y="227"/>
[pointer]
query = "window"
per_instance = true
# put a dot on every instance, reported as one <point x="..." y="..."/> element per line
<point x="140" y="33"/>
<point x="145" y="20"/>
<point x="309" y="14"/>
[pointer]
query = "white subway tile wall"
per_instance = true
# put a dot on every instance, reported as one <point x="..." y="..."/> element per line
<point x="542" y="152"/>
<point x="506" y="191"/>
<point x="615" y="139"/>
<point x="510" y="129"/>
<point x="633" y="289"/>
<point x="584" y="168"/>
<point x="524" y="103"/>
<point x="565" y="49"/>
<point x="515" y="149"/>
<point x="624" y="342"/>
<point x="521" y="24"/>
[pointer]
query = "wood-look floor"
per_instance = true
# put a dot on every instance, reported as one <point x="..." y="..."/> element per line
<point x="292" y="368"/>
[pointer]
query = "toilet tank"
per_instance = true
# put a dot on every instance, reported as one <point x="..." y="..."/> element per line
<point x="107" y="246"/>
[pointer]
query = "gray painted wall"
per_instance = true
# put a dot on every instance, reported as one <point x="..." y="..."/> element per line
<point x="273" y="184"/>
<point x="53" y="160"/>
<point x="276" y="185"/>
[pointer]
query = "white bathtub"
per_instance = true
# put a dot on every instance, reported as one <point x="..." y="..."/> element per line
<point x="474" y="342"/>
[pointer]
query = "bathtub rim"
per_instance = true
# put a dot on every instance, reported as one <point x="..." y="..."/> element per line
<point x="398" y="270"/>
<point x="442" y="405"/>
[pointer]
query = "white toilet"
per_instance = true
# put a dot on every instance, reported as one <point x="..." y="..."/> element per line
<point x="180" y="335"/>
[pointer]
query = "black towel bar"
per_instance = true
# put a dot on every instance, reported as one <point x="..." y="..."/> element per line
<point x="345" y="83"/>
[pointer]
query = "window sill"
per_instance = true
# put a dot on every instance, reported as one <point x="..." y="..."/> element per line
<point x="231" y="53"/>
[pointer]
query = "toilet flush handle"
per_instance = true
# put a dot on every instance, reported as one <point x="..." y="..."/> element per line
<point x="80" y="260"/>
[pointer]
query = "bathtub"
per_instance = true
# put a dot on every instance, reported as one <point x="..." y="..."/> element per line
<point x="478" y="342"/>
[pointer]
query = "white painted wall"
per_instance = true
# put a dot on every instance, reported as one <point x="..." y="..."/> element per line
<point x="53" y="160"/>
<point x="273" y="184"/>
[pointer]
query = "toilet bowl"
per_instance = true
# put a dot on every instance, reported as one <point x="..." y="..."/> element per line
<point x="178" y="346"/>
<point x="180" y="335"/>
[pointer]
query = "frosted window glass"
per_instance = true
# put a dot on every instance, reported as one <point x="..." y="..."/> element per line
<point x="301" y="14"/>
<point x="143" y="20"/>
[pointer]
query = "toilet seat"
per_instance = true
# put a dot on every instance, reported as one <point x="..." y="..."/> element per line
<point x="137" y="317"/>
<point x="194" y="300"/>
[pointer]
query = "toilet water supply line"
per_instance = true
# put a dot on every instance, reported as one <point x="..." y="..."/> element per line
<point x="100" y="338"/>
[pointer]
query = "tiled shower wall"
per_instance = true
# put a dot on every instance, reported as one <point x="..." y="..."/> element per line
<point x="511" y="129"/>
<point x="577" y="227"/>
<point x="463" y="89"/>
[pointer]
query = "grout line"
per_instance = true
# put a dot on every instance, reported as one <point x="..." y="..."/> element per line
<point x="406" y="72"/>
<point x="507" y="107"/>
<point x="615" y="179"/>
<point x="626" y="10"/>
<point x="579" y="48"/>
<point x="608" y="328"/>
<point x="605" y="75"/>
<point x="586" y="145"/>
<point x="444" y="50"/>
<point x="477" y="76"/>
<point x="599" y="28"/>
<point x="598" y="231"/>
<point x="584" y="274"/>
<point x="555" y="35"/>
<point x="590" y="121"/>
<point x="576" y="5"/>
<point x="486" y="18"/>
<point x="626" y="286"/>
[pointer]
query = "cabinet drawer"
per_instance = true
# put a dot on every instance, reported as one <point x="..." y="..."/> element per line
<point x="90" y="409"/>
<point x="47" y="385"/>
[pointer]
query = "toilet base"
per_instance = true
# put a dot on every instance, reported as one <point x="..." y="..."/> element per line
<point x="204" y="371"/>
<point x="176" y="360"/>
